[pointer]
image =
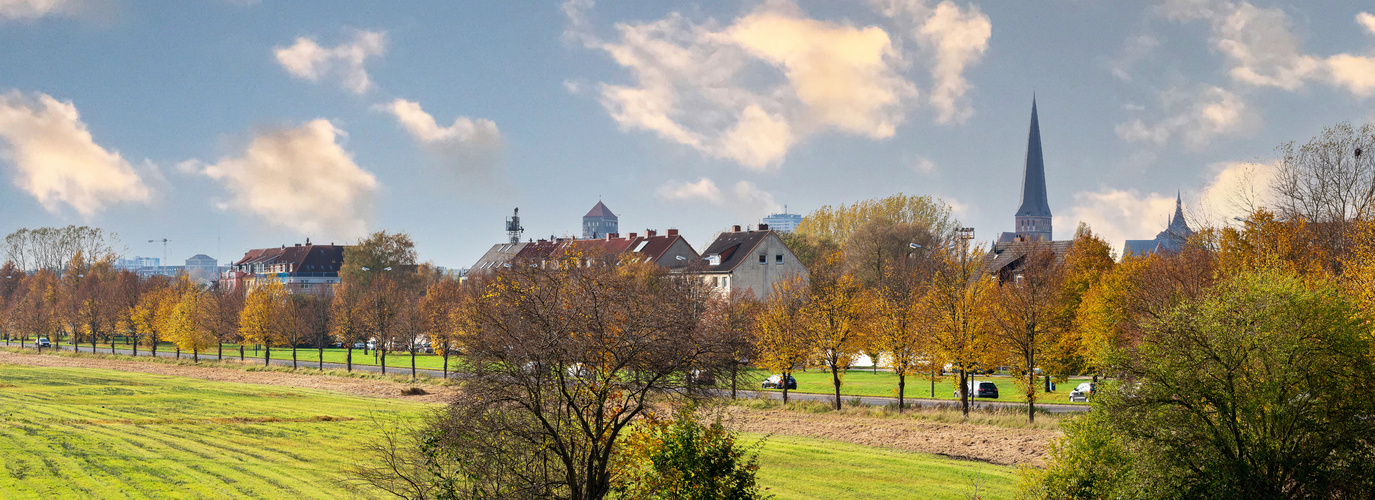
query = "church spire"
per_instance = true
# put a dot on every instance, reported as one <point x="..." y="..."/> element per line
<point x="1034" y="202"/>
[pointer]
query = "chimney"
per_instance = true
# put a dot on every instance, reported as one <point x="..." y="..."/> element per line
<point x="763" y="227"/>
<point x="735" y="228"/>
<point x="649" y="233"/>
<point x="633" y="235"/>
<point x="298" y="244"/>
<point x="610" y="236"/>
<point x="673" y="232"/>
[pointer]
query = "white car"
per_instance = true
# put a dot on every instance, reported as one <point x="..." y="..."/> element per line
<point x="1082" y="393"/>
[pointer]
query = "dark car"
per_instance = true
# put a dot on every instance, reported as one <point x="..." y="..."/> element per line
<point x="981" y="389"/>
<point x="776" y="382"/>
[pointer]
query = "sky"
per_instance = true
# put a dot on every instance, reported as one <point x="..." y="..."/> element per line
<point x="225" y="125"/>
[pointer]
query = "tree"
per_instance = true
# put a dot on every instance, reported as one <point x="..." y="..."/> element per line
<point x="261" y="321"/>
<point x="381" y="306"/>
<point x="781" y="342"/>
<point x="680" y="458"/>
<point x="442" y="310"/>
<point x="1023" y="312"/>
<point x="53" y="248"/>
<point x="901" y="327"/>
<point x="957" y="304"/>
<point x="838" y="223"/>
<point x="381" y="252"/>
<point x="186" y="324"/>
<point x="563" y="360"/>
<point x="1330" y="182"/>
<point x="223" y="307"/>
<point x="836" y="318"/>
<point x="345" y="320"/>
<point x="731" y="323"/>
<point x="1088" y="260"/>
<point x="10" y="282"/>
<point x="145" y="318"/>
<point x="1257" y="388"/>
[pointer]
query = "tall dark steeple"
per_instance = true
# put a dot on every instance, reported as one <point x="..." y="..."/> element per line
<point x="1033" y="217"/>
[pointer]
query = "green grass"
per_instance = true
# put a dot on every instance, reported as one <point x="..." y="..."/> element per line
<point x="67" y="432"/>
<point x="864" y="382"/>
<point x="305" y="356"/>
<point x="798" y="467"/>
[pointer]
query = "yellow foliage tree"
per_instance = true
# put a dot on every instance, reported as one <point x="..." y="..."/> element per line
<point x="957" y="305"/>
<point x="781" y="343"/>
<point x="185" y="324"/>
<point x="264" y="310"/>
<point x="836" y="316"/>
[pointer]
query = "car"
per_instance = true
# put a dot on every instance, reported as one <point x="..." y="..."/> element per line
<point x="981" y="389"/>
<point x="359" y="345"/>
<point x="42" y="342"/>
<point x="1082" y="393"/>
<point x="776" y="382"/>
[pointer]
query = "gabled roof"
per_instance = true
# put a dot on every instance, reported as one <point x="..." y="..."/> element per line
<point x="1034" y="177"/>
<point x="303" y="258"/>
<point x="734" y="248"/>
<point x="1009" y="255"/>
<point x="599" y="210"/>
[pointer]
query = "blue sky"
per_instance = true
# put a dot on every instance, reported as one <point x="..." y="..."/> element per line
<point x="228" y="125"/>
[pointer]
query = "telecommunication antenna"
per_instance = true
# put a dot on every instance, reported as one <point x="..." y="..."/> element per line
<point x="513" y="229"/>
<point x="164" y="249"/>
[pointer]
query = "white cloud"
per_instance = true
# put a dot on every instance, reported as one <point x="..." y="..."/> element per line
<point x="299" y="179"/>
<point x="1237" y="189"/>
<point x="745" y="199"/>
<point x="1194" y="118"/>
<point x="34" y="9"/>
<point x="959" y="38"/>
<point x="57" y="161"/>
<point x="306" y="59"/>
<point x="750" y="89"/>
<point x="1367" y="20"/>
<point x="470" y="147"/>
<point x="1133" y="50"/>
<point x="924" y="166"/>
<point x="704" y="189"/>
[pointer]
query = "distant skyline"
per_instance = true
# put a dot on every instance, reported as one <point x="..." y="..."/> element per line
<point x="225" y="125"/>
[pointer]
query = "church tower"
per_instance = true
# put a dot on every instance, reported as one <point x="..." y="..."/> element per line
<point x="1033" y="217"/>
<point x="599" y="222"/>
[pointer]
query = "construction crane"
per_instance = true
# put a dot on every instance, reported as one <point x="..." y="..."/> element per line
<point x="164" y="250"/>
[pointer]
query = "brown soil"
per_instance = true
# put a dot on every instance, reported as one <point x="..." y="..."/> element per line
<point x="347" y="385"/>
<point x="998" y="445"/>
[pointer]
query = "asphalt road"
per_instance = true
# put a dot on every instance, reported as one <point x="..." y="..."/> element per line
<point x="305" y="361"/>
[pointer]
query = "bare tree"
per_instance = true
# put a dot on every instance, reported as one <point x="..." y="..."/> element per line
<point x="52" y="248"/>
<point x="1329" y="181"/>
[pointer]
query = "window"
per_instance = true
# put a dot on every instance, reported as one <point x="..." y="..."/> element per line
<point x="725" y="282"/>
<point x="713" y="281"/>
<point x="778" y="259"/>
<point x="763" y="259"/>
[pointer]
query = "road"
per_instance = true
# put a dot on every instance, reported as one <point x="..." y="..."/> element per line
<point x="305" y="363"/>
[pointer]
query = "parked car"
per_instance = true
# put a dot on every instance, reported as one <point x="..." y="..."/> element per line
<point x="1082" y="393"/>
<point x="42" y="342"/>
<point x="981" y="389"/>
<point x="701" y="378"/>
<point x="776" y="382"/>
<point x="359" y="345"/>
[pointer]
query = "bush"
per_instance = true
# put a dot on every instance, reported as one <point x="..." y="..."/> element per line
<point x="682" y="459"/>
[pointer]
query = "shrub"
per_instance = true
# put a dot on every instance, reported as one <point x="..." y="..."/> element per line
<point x="682" y="459"/>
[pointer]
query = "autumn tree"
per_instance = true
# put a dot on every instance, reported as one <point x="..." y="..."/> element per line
<point x="901" y="329"/>
<point x="731" y="322"/>
<point x="146" y="318"/>
<point x="185" y="325"/>
<point x="781" y="340"/>
<point x="442" y="311"/>
<point x="1023" y="313"/>
<point x="1088" y="260"/>
<point x="346" y="320"/>
<point x="1328" y="182"/>
<point x="10" y="281"/>
<point x="35" y="311"/>
<point x="222" y="308"/>
<point x="840" y="222"/>
<point x="563" y="360"/>
<point x="264" y="314"/>
<point x="381" y="310"/>
<point x="957" y="304"/>
<point x="836" y="317"/>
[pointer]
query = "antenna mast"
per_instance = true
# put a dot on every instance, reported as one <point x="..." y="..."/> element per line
<point x="513" y="229"/>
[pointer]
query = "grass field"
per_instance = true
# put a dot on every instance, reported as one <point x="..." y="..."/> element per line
<point x="89" y="433"/>
<point x="863" y="382"/>
<point x="305" y="356"/>
<point x="802" y="468"/>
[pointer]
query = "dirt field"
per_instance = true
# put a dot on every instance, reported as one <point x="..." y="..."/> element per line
<point x="359" y="387"/>
<point x="996" y="445"/>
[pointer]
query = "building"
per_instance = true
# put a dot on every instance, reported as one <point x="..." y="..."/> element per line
<point x="670" y="251"/>
<point x="202" y="267"/>
<point x="784" y="222"/>
<point x="1033" y="218"/>
<point x="1007" y="259"/>
<point x="752" y="261"/>
<point x="307" y="268"/>
<point x="599" y="222"/>
<point x="1171" y="240"/>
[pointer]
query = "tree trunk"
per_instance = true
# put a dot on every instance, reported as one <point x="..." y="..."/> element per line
<point x="195" y="356"/>
<point x="446" y="363"/>
<point x="136" y="348"/>
<point x="835" y="381"/>
<point x="384" y="360"/>
<point x="178" y="352"/>
<point x="240" y="352"/>
<point x="933" y="384"/>
<point x="1031" y="398"/>
<point x="267" y="354"/>
<point x="219" y="351"/>
<point x="964" y="393"/>
<point x="412" y="363"/>
<point x="155" y="347"/>
<point x="322" y="358"/>
<point x="733" y="367"/>
<point x="902" y="383"/>
<point x="293" y="356"/>
<point x="348" y="359"/>
<point x="786" y="376"/>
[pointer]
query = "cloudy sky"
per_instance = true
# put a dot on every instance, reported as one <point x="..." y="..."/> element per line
<point x="224" y="125"/>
